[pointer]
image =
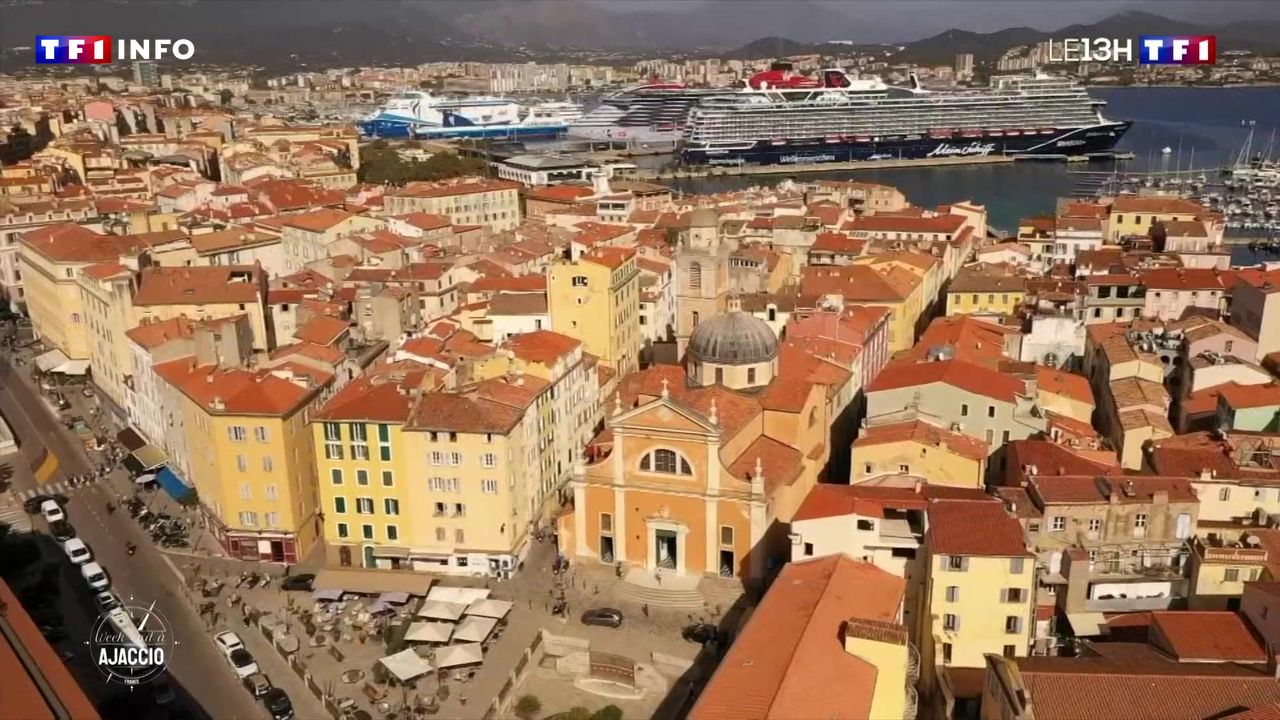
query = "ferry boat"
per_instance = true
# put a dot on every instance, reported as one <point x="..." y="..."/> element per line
<point x="423" y="115"/>
<point x="922" y="123"/>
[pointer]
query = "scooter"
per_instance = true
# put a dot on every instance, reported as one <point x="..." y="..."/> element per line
<point x="130" y="548"/>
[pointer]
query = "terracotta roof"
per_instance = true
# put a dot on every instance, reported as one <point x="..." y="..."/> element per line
<point x="790" y="655"/>
<point x="1091" y="490"/>
<point x="610" y="257"/>
<point x="837" y="243"/>
<point x="240" y="391"/>
<point x="317" y="221"/>
<point x="559" y="193"/>
<point x="975" y="528"/>
<point x="195" y="285"/>
<point x="466" y="413"/>
<point x="969" y="338"/>
<point x="859" y="282"/>
<point x="830" y="500"/>
<point x="322" y="330"/>
<point x="1251" y="396"/>
<point x="1181" y="279"/>
<point x="541" y="346"/>
<point x="974" y="280"/>
<point x="229" y="239"/>
<point x="71" y="243"/>
<point x="1068" y="385"/>
<point x="1155" y="205"/>
<point x="155" y="334"/>
<point x="448" y="188"/>
<point x="923" y="433"/>
<point x="882" y="223"/>
<point x="378" y="396"/>
<point x="1190" y="454"/>
<point x="966" y="376"/>
<point x="1207" y="635"/>
<point x="509" y="283"/>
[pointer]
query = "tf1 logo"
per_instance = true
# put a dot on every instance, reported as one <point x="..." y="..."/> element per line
<point x="1178" y="49"/>
<point x="97" y="49"/>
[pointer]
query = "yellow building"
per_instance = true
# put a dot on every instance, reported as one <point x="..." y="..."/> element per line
<point x="895" y="287"/>
<point x="1131" y="215"/>
<point x="306" y="236"/>
<point x="494" y="204"/>
<point x="980" y="584"/>
<point x="918" y="448"/>
<point x="978" y="292"/>
<point x="1064" y="393"/>
<point x="415" y="477"/>
<point x="198" y="293"/>
<point x="250" y="454"/>
<point x="596" y="300"/>
<point x="51" y="259"/>
<point x="1220" y="569"/>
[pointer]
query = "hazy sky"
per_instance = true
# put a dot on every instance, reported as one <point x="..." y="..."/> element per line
<point x="890" y="20"/>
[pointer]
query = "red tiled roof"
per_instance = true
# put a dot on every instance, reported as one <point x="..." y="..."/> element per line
<point x="829" y="500"/>
<point x="541" y="346"/>
<point x="242" y="392"/>
<point x="780" y="463"/>
<point x="1069" y="385"/>
<point x="425" y="221"/>
<point x="923" y="433"/>
<point x="1181" y="279"/>
<point x="976" y="528"/>
<point x="790" y="656"/>
<point x="610" y="257"/>
<point x="449" y="188"/>
<point x="1251" y="396"/>
<point x="881" y="223"/>
<point x="322" y="330"/>
<point x="1207" y="635"/>
<point x="196" y="285"/>
<point x="1092" y="490"/>
<point x="154" y="334"/>
<point x="317" y="221"/>
<point x="1155" y="205"/>
<point x="966" y="376"/>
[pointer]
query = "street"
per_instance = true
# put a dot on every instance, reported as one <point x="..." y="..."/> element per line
<point x="197" y="668"/>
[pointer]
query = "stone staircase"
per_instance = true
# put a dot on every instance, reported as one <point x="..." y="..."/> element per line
<point x="673" y="598"/>
<point x="679" y="593"/>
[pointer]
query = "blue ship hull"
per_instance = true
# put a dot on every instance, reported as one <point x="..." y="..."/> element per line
<point x="1093" y="140"/>
<point x="384" y="128"/>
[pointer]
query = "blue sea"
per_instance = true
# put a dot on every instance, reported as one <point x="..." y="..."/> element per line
<point x="1204" y="127"/>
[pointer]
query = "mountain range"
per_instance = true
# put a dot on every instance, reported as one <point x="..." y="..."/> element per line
<point x="300" y="33"/>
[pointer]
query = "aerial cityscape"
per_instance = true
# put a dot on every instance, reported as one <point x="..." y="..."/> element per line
<point x="605" y="359"/>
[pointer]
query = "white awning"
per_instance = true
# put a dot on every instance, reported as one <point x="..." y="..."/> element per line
<point x="54" y="358"/>
<point x="454" y="655"/>
<point x="433" y="632"/>
<point x="490" y="608"/>
<point x="438" y="610"/>
<point x="463" y="595"/>
<point x="1087" y="624"/>
<point x="474" y="628"/>
<point x="73" y="367"/>
<point x="406" y="665"/>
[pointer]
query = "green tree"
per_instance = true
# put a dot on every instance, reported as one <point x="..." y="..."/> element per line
<point x="608" y="712"/>
<point x="528" y="707"/>
<point x="577" y="713"/>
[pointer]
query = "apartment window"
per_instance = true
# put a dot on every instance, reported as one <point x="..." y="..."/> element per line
<point x="393" y="532"/>
<point x="489" y="487"/>
<point x="946" y="653"/>
<point x="440" y="510"/>
<point x="340" y="505"/>
<point x="260" y="434"/>
<point x="951" y="622"/>
<point x="1013" y="624"/>
<point x="343" y="531"/>
<point x="273" y="519"/>
<point x="1016" y="565"/>
<point x="1230" y="575"/>
<point x="362" y="477"/>
<point x="237" y="433"/>
<point x="1010" y="651"/>
<point x="242" y="464"/>
<point x="964" y="409"/>
<point x="388" y="480"/>
<point x="489" y="460"/>
<point x="1228" y="345"/>
<point x="270" y="491"/>
<point x="1033" y="527"/>
<point x="267" y="464"/>
<point x="953" y="593"/>
<point x="246" y="492"/>
<point x="808" y="549"/>
<point x="606" y="523"/>
<point x="726" y="536"/>
<point x="336" y="475"/>
<point x="1224" y="494"/>
<point x="991" y="411"/>
<point x="1095" y="527"/>
<point x="991" y="436"/>
<point x="384" y="443"/>
<point x="391" y="506"/>
<point x="459" y="510"/>
<point x="866" y="467"/>
<point x="332" y="441"/>
<point x="437" y="458"/>
<point x="1057" y="523"/>
<point x="1140" y="525"/>
<point x="1013" y="595"/>
<point x="359" y="441"/>
<point x="364" y="506"/>
<point x="366" y="531"/>
<point x="579" y="281"/>
<point x="958" y="563"/>
<point x="440" y="534"/>
<point x="459" y="536"/>
<point x="249" y="518"/>
<point x="695" y="319"/>
<point x="455" y="459"/>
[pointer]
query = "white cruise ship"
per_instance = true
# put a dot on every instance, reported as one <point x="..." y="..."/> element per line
<point x="421" y="114"/>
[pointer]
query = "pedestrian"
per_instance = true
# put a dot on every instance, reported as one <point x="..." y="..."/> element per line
<point x="657" y="575"/>
<point x="645" y="609"/>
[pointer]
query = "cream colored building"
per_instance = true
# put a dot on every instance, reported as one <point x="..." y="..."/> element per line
<point x="495" y="204"/>
<point x="308" y="235"/>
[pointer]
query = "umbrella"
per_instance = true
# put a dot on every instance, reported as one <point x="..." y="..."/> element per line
<point x="441" y="610"/>
<point x="474" y="628"/>
<point x="490" y="608"/>
<point x="406" y="665"/>
<point x="434" y="632"/>
<point x="464" y="654"/>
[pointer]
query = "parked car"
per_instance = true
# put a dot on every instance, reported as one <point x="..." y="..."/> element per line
<point x="278" y="704"/>
<point x="228" y="641"/>
<point x="604" y="617"/>
<point x="95" y="576"/>
<point x="107" y="601"/>
<point x="33" y="504"/>
<point x="242" y="662"/>
<point x="301" y="582"/>
<point x="701" y="633"/>
<point x="77" y="551"/>
<point x="52" y="511"/>
<point x="257" y="684"/>
<point x="62" y="530"/>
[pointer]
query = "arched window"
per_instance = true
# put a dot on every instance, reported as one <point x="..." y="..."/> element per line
<point x="695" y="276"/>
<point x="665" y="461"/>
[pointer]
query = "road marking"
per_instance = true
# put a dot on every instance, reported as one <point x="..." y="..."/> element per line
<point x="47" y="467"/>
<point x="16" y="518"/>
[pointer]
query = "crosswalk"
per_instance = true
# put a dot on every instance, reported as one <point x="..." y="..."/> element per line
<point x="16" y="518"/>
<point x="18" y="497"/>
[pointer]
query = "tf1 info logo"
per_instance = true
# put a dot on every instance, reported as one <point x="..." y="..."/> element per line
<point x="97" y="49"/>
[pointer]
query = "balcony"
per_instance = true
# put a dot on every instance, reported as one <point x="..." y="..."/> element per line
<point x="911" y="705"/>
<point x="898" y="533"/>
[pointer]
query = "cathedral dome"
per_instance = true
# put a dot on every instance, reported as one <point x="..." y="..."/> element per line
<point x="734" y="338"/>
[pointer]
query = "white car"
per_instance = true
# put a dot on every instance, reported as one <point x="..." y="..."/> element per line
<point x="228" y="641"/>
<point x="52" y="511"/>
<point x="237" y="656"/>
<point x="107" y="601"/>
<point x="77" y="551"/>
<point x="95" y="576"/>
